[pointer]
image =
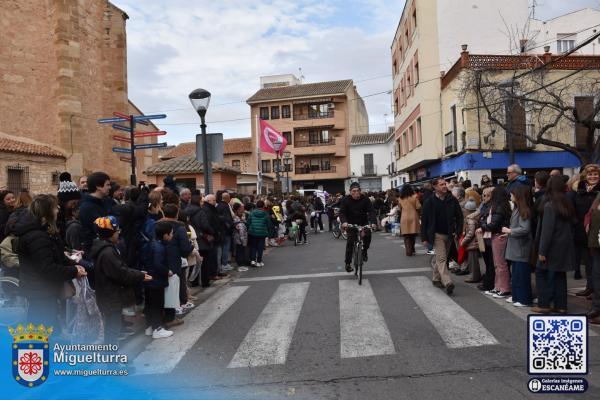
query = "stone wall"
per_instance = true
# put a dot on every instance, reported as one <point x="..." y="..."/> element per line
<point x="66" y="66"/>
<point x="40" y="170"/>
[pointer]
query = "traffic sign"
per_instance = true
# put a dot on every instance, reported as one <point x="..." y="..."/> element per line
<point x="121" y="127"/>
<point x="149" y="146"/>
<point x="146" y="134"/>
<point x="121" y="138"/>
<point x="110" y="120"/>
<point x="121" y="115"/>
<point x="121" y="150"/>
<point x="147" y="117"/>
<point x="126" y="159"/>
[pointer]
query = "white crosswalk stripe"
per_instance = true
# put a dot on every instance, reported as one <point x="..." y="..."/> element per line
<point x="456" y="326"/>
<point x="363" y="331"/>
<point x="172" y="349"/>
<point x="268" y="341"/>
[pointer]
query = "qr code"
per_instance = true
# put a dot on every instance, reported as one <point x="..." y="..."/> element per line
<point x="557" y="345"/>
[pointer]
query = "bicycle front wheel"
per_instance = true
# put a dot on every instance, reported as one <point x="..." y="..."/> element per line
<point x="360" y="265"/>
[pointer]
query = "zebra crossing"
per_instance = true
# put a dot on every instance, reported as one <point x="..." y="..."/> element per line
<point x="363" y="331"/>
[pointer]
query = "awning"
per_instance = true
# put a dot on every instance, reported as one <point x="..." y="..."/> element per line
<point x="317" y="100"/>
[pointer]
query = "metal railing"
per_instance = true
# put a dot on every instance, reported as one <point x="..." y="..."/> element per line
<point x="314" y="115"/>
<point x="368" y="170"/>
<point x="309" y="143"/>
<point x="315" y="169"/>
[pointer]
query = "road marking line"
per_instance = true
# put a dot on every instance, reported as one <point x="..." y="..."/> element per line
<point x="456" y="326"/>
<point x="363" y="331"/>
<point x="162" y="356"/>
<point x="332" y="274"/>
<point x="521" y="312"/>
<point x="268" y="341"/>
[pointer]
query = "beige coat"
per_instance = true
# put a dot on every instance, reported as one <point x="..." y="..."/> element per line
<point x="409" y="217"/>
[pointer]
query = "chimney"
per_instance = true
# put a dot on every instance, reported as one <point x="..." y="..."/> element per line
<point x="547" y="55"/>
<point x="523" y="44"/>
<point x="464" y="56"/>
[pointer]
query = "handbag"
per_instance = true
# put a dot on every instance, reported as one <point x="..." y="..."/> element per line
<point x="172" y="292"/>
<point x="480" y="242"/>
<point x="87" y="325"/>
<point x="462" y="252"/>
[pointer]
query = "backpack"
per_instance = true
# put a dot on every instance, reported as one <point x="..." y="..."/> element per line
<point x="147" y="234"/>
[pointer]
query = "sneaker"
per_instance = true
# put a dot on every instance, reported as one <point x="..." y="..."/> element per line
<point x="430" y="253"/>
<point x="226" y="268"/>
<point x="437" y="284"/>
<point x="349" y="268"/>
<point x="253" y="264"/>
<point x="179" y="311"/>
<point x="509" y="300"/>
<point x="148" y="331"/>
<point x="160" y="333"/>
<point x="450" y="288"/>
<point x="491" y="292"/>
<point x="453" y="265"/>
<point x="517" y="304"/>
<point x="305" y="242"/>
<point x="260" y="264"/>
<point x="501" y="295"/>
<point x="188" y="305"/>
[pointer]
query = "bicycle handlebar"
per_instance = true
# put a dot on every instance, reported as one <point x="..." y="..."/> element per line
<point x="359" y="227"/>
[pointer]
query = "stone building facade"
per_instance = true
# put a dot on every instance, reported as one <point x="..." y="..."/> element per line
<point x="65" y="67"/>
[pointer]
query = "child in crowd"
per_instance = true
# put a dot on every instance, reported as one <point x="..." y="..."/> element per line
<point x="240" y="235"/>
<point x="470" y="243"/>
<point x="155" y="289"/>
<point x="112" y="276"/>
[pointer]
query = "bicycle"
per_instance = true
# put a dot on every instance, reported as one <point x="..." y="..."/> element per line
<point x="357" y="253"/>
<point x="13" y="306"/>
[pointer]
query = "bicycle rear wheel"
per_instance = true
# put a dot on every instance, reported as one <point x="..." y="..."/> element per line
<point x="360" y="264"/>
<point x="336" y="231"/>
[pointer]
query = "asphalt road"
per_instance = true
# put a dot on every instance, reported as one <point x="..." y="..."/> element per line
<point x="300" y="327"/>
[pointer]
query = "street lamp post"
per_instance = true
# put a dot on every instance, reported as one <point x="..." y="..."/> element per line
<point x="200" y="99"/>
<point x="286" y="161"/>
<point x="277" y="147"/>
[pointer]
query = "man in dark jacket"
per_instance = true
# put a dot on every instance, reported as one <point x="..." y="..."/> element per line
<point x="131" y="217"/>
<point x="208" y="228"/>
<point x="356" y="209"/>
<point x="93" y="205"/>
<point x="515" y="176"/>
<point x="113" y="277"/>
<point x="441" y="222"/>
<point x="177" y="248"/>
<point x="226" y="216"/>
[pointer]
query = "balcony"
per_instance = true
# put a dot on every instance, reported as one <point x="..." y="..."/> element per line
<point x="368" y="170"/>
<point x="314" y="115"/>
<point x="311" y="143"/>
<point x="315" y="169"/>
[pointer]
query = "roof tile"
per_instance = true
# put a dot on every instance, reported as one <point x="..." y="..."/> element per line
<point x="186" y="164"/>
<point x="230" y="146"/>
<point x="304" y="90"/>
<point x="371" y="138"/>
<point x="13" y="144"/>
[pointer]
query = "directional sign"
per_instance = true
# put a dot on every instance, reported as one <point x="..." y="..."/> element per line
<point x="147" y="117"/>
<point x="126" y="159"/>
<point x="146" y="134"/>
<point x="121" y="127"/>
<point x="121" y="138"/>
<point x="121" y="150"/>
<point x="141" y="122"/>
<point x="149" y="146"/>
<point x="121" y="115"/>
<point x="110" y="120"/>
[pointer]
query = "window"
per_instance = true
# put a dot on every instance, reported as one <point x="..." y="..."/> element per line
<point x="368" y="167"/>
<point x="314" y="164"/>
<point x="285" y="112"/>
<point x="313" y="137"/>
<point x="236" y="163"/>
<point x="324" y="110"/>
<point x="17" y="178"/>
<point x="56" y="178"/>
<point x="414" y="18"/>
<point x="565" y="42"/>
<point x="266" y="166"/>
<point x="318" y="136"/>
<point x="419" y="139"/>
<point x="416" y="67"/>
<point x="452" y="141"/>
<point x="287" y="136"/>
<point x="411" y="138"/>
<point x="264" y="113"/>
<point x="275" y="112"/>
<point x="396" y="109"/>
<point x="277" y="165"/>
<point x="404" y="144"/>
<point x="395" y="67"/>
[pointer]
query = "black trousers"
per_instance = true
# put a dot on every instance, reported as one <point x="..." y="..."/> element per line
<point x="155" y="303"/>
<point x="112" y="325"/>
<point x="352" y="236"/>
<point x="489" y="277"/>
<point x="209" y="266"/>
<point x="551" y="285"/>
<point x="183" y="285"/>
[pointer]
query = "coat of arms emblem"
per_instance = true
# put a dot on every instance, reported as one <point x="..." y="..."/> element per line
<point x="30" y="354"/>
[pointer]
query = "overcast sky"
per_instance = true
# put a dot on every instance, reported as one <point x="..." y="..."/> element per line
<point x="224" y="46"/>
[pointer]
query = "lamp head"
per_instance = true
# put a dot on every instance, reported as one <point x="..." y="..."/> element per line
<point x="200" y="100"/>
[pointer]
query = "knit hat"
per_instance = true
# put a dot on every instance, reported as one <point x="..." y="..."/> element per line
<point x="354" y="185"/>
<point x="64" y="177"/>
<point x="470" y="205"/>
<point x="68" y="190"/>
<point x="106" y="226"/>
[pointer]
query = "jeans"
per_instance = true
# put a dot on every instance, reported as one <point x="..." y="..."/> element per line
<point x="257" y="246"/>
<point x="521" y="282"/>
<point x="551" y="285"/>
<point x="352" y="236"/>
<point x="225" y="250"/>
<point x="240" y="255"/>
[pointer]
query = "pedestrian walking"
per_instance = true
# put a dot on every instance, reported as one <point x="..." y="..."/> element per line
<point x="258" y="231"/>
<point x="409" y="207"/>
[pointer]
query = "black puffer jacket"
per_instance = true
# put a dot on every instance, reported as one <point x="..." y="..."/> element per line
<point x="500" y="219"/>
<point x="113" y="277"/>
<point x="207" y="222"/>
<point x="44" y="266"/>
<point x="357" y="212"/>
<point x="4" y="214"/>
<point x="582" y="201"/>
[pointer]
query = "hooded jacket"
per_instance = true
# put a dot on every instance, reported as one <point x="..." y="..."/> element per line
<point x="258" y="223"/>
<point x="179" y="247"/>
<point x="518" y="181"/>
<point x="43" y="264"/>
<point x="112" y="274"/>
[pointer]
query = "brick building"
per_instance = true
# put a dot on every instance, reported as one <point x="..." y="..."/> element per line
<point x="66" y="66"/>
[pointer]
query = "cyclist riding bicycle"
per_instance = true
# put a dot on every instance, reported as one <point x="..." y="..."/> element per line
<point x="356" y="209"/>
